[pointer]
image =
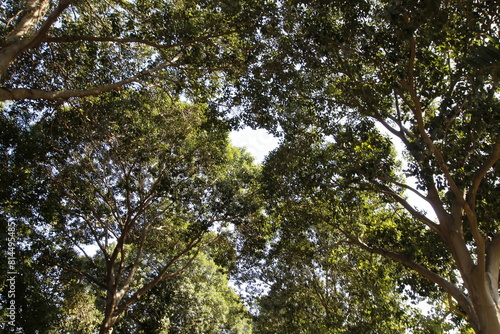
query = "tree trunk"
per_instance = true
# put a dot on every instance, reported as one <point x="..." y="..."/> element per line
<point x="107" y="325"/>
<point x="109" y="320"/>
<point x="480" y="281"/>
<point x="486" y="308"/>
<point x="110" y="314"/>
<point x="489" y="320"/>
<point x="490" y="325"/>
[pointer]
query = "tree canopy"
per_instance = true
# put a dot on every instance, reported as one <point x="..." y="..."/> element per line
<point x="345" y="81"/>
<point x="318" y="284"/>
<point x="118" y="180"/>
<point x="139" y="178"/>
<point x="56" y="50"/>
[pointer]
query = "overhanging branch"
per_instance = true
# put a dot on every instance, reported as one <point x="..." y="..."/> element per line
<point x="447" y="286"/>
<point x="38" y="94"/>
<point x="387" y="190"/>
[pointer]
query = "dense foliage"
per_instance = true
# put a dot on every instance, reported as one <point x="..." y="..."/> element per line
<point x="123" y="206"/>
<point x="61" y="49"/>
<point x="124" y="192"/>
<point x="342" y="82"/>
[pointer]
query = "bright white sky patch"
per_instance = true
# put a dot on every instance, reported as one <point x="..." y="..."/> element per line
<point x="257" y="142"/>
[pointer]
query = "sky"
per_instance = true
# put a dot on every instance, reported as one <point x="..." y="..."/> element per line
<point x="257" y="142"/>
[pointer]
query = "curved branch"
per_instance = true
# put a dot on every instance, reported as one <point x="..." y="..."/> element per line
<point x="84" y="38"/>
<point x="387" y="190"/>
<point x="34" y="10"/>
<point x="447" y="286"/>
<point x="162" y="275"/>
<point x="70" y="39"/>
<point x="91" y="278"/>
<point x="16" y="45"/>
<point x="38" y="94"/>
<point x="136" y="264"/>
<point x="481" y="172"/>
<point x="418" y="113"/>
<point x="404" y="186"/>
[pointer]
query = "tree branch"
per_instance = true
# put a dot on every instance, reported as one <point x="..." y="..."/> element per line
<point x="85" y="274"/>
<point x="404" y="186"/>
<point x="481" y="172"/>
<point x="408" y="207"/>
<point x="70" y="39"/>
<point x="493" y="266"/>
<point x="37" y="94"/>
<point x="136" y="263"/>
<point x="16" y="45"/>
<point x="459" y="194"/>
<point x="34" y="10"/>
<point x="447" y="286"/>
<point x="162" y="275"/>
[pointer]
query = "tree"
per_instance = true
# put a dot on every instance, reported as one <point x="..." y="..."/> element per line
<point x="200" y="301"/>
<point x="55" y="50"/>
<point x="138" y="177"/>
<point x="52" y="52"/>
<point x="318" y="286"/>
<point x="313" y="259"/>
<point x="316" y="282"/>
<point x="29" y="295"/>
<point x="77" y="312"/>
<point x="427" y="73"/>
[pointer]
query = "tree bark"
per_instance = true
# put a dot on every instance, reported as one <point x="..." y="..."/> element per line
<point x="485" y="301"/>
<point x="24" y="35"/>
<point x="112" y="301"/>
<point x="109" y="321"/>
<point x="37" y="94"/>
<point x="34" y="10"/>
<point x="487" y="312"/>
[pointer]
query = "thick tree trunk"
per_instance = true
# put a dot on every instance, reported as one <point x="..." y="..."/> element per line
<point x="107" y="325"/>
<point x="110" y="316"/>
<point x="490" y="324"/>
<point x="480" y="277"/>
<point x="489" y="319"/>
<point x="486" y="308"/>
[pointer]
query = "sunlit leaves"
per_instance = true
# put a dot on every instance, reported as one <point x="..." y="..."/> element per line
<point x="198" y="302"/>
<point x="188" y="48"/>
<point x="129" y="189"/>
